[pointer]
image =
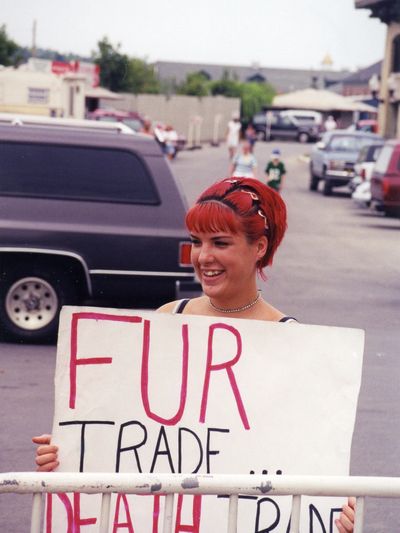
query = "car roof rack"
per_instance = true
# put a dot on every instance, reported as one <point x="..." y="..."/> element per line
<point x="40" y="120"/>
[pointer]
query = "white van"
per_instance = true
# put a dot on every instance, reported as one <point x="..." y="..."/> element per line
<point x="304" y="115"/>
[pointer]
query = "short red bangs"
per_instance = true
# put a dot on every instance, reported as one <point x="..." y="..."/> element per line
<point x="212" y="217"/>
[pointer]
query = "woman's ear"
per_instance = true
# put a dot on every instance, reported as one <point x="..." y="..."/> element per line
<point x="262" y="246"/>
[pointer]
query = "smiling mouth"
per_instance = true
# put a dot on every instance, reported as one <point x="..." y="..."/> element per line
<point x="211" y="273"/>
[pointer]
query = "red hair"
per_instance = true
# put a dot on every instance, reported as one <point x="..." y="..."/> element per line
<point x="241" y="205"/>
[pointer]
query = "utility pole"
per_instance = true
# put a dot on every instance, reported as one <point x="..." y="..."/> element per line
<point x="34" y="39"/>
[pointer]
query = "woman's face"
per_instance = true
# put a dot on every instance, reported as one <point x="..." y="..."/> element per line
<point x="225" y="263"/>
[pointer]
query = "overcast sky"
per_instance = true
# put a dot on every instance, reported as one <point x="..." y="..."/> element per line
<point x="273" y="33"/>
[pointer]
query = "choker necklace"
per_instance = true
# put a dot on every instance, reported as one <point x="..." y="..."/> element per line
<point x="236" y="309"/>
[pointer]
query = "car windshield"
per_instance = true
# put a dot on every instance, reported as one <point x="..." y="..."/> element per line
<point x="259" y="119"/>
<point x="134" y="123"/>
<point x="347" y="143"/>
<point x="305" y="119"/>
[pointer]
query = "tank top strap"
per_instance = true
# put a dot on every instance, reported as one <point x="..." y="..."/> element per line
<point x="180" y="306"/>
<point x="287" y="319"/>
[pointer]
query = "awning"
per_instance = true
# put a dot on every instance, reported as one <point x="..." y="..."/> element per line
<point x="101" y="92"/>
<point x="319" y="100"/>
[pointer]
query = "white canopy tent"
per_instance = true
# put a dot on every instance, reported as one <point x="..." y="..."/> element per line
<point x="319" y="100"/>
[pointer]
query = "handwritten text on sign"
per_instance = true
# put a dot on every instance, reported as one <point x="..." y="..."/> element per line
<point x="149" y="392"/>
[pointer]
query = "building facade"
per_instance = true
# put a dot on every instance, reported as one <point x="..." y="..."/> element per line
<point x="282" y="79"/>
<point x="387" y="88"/>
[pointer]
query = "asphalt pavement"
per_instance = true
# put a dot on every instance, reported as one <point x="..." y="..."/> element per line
<point x="338" y="265"/>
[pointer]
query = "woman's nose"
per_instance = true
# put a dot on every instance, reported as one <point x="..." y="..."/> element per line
<point x="205" y="255"/>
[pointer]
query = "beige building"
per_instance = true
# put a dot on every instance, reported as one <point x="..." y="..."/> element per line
<point x="33" y="92"/>
<point x="387" y="88"/>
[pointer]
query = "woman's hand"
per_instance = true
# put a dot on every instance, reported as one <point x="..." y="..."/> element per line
<point x="46" y="454"/>
<point x="345" y="523"/>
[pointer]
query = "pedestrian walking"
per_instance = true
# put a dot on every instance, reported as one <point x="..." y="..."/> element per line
<point x="244" y="164"/>
<point x="275" y="171"/>
<point x="233" y="134"/>
<point x="251" y="136"/>
<point x="330" y="123"/>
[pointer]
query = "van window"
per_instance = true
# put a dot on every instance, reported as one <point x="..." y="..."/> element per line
<point x="74" y="172"/>
<point x="383" y="160"/>
<point x="305" y="118"/>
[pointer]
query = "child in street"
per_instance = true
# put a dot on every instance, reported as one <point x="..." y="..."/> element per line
<point x="275" y="171"/>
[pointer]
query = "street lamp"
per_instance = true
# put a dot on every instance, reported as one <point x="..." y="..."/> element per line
<point x="392" y="86"/>
<point x="374" y="86"/>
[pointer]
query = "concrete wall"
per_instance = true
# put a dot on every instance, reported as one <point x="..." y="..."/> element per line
<point x="388" y="114"/>
<point x="199" y="119"/>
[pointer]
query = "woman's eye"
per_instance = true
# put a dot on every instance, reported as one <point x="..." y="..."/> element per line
<point x="221" y="244"/>
<point x="195" y="242"/>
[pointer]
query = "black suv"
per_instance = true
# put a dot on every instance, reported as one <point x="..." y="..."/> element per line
<point x="86" y="216"/>
<point x="284" y="125"/>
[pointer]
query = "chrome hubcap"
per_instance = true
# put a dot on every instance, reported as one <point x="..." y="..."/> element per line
<point x="31" y="303"/>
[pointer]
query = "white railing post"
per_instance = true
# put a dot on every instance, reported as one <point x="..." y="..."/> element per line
<point x="105" y="512"/>
<point x="36" y="512"/>
<point x="233" y="513"/>
<point x="295" y="514"/>
<point x="168" y="513"/>
<point x="359" y="516"/>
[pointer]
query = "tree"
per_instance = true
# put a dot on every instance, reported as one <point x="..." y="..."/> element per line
<point x="118" y="72"/>
<point x="253" y="97"/>
<point x="226" y="86"/>
<point x="196" y="84"/>
<point x="113" y="66"/>
<point x="8" y="49"/>
<point x="141" y="77"/>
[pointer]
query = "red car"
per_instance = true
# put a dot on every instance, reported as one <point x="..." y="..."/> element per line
<point x="385" y="182"/>
<point x="130" y="118"/>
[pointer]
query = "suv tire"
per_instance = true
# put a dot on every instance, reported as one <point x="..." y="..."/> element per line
<point x="261" y="136"/>
<point x="314" y="180"/>
<point x="327" y="190"/>
<point x="303" y="137"/>
<point x="31" y="299"/>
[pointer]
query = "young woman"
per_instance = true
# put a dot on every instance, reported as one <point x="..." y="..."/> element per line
<point x="236" y="227"/>
<point x="244" y="164"/>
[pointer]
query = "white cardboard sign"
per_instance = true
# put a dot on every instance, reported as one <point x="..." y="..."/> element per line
<point x="149" y="392"/>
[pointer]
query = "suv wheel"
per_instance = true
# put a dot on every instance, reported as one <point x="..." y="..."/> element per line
<point x="314" y="180"/>
<point x="31" y="302"/>
<point x="327" y="190"/>
<point x="303" y="137"/>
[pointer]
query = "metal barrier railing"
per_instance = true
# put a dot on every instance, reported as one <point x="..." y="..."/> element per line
<point x="171" y="484"/>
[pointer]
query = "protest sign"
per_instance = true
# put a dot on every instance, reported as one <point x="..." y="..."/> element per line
<point x="150" y="392"/>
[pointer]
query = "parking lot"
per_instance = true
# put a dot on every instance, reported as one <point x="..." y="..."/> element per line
<point x="338" y="265"/>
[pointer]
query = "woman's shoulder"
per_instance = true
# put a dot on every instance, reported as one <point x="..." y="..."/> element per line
<point x="168" y="307"/>
<point x="175" y="307"/>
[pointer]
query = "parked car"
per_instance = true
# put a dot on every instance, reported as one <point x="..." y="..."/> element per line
<point x="86" y="215"/>
<point x="362" y="194"/>
<point x="303" y="126"/>
<point x="333" y="158"/>
<point x="129" y="118"/>
<point x="17" y="119"/>
<point x="360" y="185"/>
<point x="385" y="181"/>
<point x="364" y="165"/>
<point x="370" y="125"/>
